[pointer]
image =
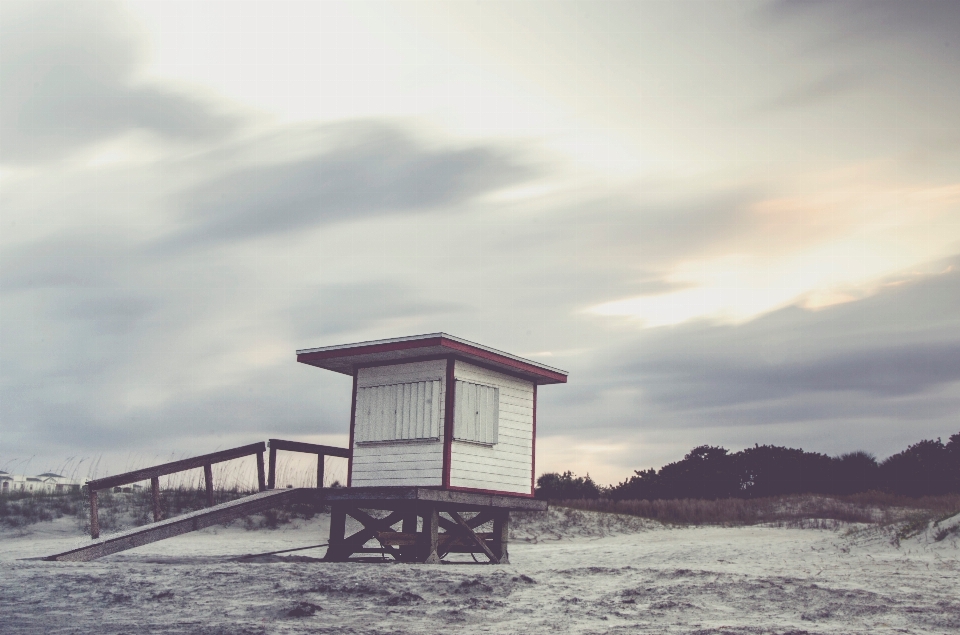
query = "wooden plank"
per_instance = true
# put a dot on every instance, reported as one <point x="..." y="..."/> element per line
<point x="471" y="372"/>
<point x="371" y="497"/>
<point x="309" y="448"/>
<point x="272" y="474"/>
<point x="208" y="482"/>
<point x="400" y="449"/>
<point x="409" y="526"/>
<point x="509" y="398"/>
<point x="177" y="526"/>
<point x="475" y="499"/>
<point x="176" y="466"/>
<point x="430" y="536"/>
<point x="406" y="467"/>
<point x="501" y="536"/>
<point x="367" y="459"/>
<point x="155" y="489"/>
<point x="393" y="464"/>
<point x="261" y="481"/>
<point x="490" y="482"/>
<point x="319" y="471"/>
<point x="398" y="538"/>
<point x="465" y="528"/>
<point x="407" y="481"/>
<point x="519" y="474"/>
<point x="338" y="519"/>
<point x="493" y="462"/>
<point x="431" y="370"/>
<point x="94" y="515"/>
<point x="449" y="409"/>
<point x="404" y="539"/>
<point x="413" y="462"/>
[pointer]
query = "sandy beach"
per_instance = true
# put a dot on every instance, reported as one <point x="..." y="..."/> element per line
<point x="570" y="572"/>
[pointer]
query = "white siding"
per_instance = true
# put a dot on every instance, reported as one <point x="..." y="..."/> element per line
<point x="507" y="465"/>
<point x="404" y="462"/>
<point x="477" y="413"/>
<point x="402" y="373"/>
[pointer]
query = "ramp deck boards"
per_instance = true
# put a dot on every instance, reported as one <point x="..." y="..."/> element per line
<point x="171" y="527"/>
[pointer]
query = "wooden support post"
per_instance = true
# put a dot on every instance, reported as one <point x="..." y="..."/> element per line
<point x="261" y="479"/>
<point x="338" y="530"/>
<point x="155" y="486"/>
<point x="409" y="527"/>
<point x="208" y="479"/>
<point x="319" y="471"/>
<point x="272" y="475"/>
<point x="501" y="536"/>
<point x="94" y="516"/>
<point x="429" y="535"/>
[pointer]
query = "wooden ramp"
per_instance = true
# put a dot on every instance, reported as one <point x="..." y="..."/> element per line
<point x="180" y="525"/>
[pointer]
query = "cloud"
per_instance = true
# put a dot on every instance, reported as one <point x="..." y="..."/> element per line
<point x="65" y="261"/>
<point x="818" y="90"/>
<point x="358" y="170"/>
<point x="335" y="309"/>
<point x="898" y="343"/>
<point x="867" y="20"/>
<point x="69" y="78"/>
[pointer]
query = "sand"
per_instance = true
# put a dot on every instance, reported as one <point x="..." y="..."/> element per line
<point x="571" y="572"/>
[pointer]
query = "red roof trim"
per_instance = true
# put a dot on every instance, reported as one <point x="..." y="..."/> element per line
<point x="501" y="359"/>
<point x="369" y="349"/>
<point x="444" y="342"/>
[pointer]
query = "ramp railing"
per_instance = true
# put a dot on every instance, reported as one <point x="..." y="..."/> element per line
<point x="206" y="461"/>
<point x="308" y="448"/>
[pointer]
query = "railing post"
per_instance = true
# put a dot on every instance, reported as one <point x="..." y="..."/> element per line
<point x="94" y="516"/>
<point x="319" y="471"/>
<point x="272" y="477"/>
<point x="261" y="484"/>
<point x="155" y="486"/>
<point x="208" y="478"/>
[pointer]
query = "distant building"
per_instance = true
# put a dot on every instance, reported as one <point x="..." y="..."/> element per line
<point x="46" y="483"/>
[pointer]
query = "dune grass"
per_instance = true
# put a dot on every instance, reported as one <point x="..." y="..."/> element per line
<point x="798" y="510"/>
<point x="182" y="492"/>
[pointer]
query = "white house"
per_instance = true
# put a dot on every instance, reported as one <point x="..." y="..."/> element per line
<point x="439" y="411"/>
<point x="46" y="483"/>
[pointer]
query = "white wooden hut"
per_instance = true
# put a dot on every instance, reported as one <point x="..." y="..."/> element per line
<point x="439" y="411"/>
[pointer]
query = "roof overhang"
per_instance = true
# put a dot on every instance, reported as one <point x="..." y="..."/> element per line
<point x="348" y="358"/>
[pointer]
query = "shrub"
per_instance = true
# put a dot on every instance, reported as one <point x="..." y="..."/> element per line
<point x="554" y="486"/>
<point x="928" y="468"/>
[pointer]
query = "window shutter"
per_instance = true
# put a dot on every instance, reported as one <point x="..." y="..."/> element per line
<point x="477" y="413"/>
<point x="398" y="412"/>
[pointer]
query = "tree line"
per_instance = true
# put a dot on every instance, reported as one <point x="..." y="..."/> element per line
<point x="927" y="468"/>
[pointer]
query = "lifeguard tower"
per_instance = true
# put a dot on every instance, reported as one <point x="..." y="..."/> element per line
<point x="437" y="425"/>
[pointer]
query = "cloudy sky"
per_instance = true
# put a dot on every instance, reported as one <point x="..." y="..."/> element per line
<point x="732" y="223"/>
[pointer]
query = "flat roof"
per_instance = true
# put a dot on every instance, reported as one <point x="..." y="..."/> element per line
<point x="347" y="358"/>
